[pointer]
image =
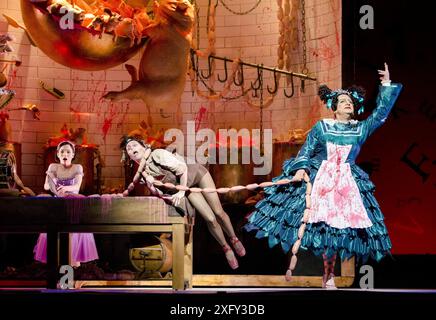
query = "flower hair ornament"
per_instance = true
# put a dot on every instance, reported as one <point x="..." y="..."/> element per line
<point x="330" y="97"/>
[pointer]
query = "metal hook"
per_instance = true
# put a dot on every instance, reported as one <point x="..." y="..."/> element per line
<point x="293" y="89"/>
<point x="259" y="79"/>
<point x="241" y="76"/>
<point x="305" y="71"/>
<point x="275" y="84"/>
<point x="209" y="68"/>
<point x="225" y="72"/>
<point x="193" y="58"/>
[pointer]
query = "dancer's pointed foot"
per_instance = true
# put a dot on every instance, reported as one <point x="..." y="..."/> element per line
<point x="230" y="256"/>
<point x="238" y="246"/>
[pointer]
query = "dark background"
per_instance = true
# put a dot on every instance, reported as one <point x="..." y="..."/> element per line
<point x="401" y="155"/>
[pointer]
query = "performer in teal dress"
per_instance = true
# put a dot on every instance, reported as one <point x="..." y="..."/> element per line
<point x="344" y="216"/>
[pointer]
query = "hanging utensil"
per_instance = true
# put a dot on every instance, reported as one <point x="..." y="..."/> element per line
<point x="225" y="72"/>
<point x="53" y="91"/>
<point x="292" y="87"/>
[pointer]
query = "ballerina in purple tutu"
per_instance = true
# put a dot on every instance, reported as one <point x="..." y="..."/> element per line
<point x="64" y="179"/>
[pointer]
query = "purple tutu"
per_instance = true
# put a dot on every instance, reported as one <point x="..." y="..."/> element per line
<point x="83" y="248"/>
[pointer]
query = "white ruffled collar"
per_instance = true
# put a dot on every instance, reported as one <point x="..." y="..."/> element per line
<point x="334" y="121"/>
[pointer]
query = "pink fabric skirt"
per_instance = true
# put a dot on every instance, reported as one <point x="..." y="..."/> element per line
<point x="83" y="248"/>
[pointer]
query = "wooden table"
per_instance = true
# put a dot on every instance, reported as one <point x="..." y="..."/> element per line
<point x="99" y="215"/>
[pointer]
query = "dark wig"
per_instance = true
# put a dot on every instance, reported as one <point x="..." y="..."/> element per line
<point x="330" y="97"/>
<point x="123" y="144"/>
<point x="126" y="139"/>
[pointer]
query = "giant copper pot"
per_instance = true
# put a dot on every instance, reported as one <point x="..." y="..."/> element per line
<point x="233" y="174"/>
<point x="77" y="48"/>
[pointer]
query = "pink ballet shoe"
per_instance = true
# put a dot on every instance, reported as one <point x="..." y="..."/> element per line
<point x="237" y="245"/>
<point x="230" y="256"/>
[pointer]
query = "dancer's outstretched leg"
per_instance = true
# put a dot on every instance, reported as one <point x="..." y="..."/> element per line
<point x="202" y="207"/>
<point x="222" y="217"/>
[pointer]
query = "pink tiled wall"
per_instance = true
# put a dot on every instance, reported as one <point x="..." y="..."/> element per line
<point x="252" y="37"/>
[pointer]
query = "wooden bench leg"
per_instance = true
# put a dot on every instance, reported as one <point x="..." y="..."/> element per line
<point x="52" y="259"/>
<point x="188" y="258"/>
<point x="178" y="256"/>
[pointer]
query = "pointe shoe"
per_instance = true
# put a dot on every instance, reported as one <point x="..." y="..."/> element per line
<point x="238" y="246"/>
<point x="230" y="256"/>
<point x="328" y="281"/>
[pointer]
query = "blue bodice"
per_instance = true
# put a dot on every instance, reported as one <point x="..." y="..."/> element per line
<point x="353" y="133"/>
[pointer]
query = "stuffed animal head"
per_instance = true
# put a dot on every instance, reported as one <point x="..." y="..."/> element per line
<point x="177" y="12"/>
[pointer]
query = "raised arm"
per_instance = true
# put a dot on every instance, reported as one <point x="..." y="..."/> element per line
<point x="387" y="96"/>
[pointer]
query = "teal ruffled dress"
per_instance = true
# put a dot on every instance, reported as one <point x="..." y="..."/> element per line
<point x="345" y="216"/>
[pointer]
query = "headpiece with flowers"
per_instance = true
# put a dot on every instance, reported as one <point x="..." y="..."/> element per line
<point x="330" y="97"/>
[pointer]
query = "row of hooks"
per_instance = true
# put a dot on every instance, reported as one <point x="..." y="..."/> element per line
<point x="256" y="85"/>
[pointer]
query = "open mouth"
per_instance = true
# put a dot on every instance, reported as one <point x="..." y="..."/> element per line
<point x="65" y="159"/>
